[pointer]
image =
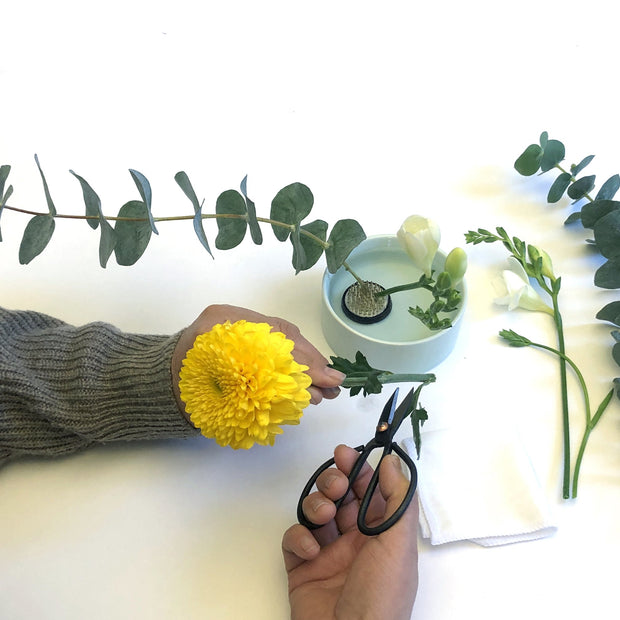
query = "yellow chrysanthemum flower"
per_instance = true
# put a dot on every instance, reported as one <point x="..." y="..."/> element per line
<point x="239" y="382"/>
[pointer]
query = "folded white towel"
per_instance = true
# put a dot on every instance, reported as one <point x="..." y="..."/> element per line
<point x="479" y="486"/>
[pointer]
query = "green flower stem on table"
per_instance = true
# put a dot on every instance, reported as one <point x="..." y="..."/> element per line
<point x="591" y="421"/>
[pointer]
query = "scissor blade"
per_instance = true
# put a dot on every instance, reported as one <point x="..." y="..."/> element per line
<point x="404" y="409"/>
<point x="387" y="414"/>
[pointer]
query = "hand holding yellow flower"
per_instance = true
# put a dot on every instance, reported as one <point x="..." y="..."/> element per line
<point x="240" y="382"/>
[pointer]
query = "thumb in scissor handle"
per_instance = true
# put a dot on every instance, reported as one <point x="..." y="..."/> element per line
<point x="372" y="485"/>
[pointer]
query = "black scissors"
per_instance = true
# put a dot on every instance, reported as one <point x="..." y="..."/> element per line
<point x="389" y="422"/>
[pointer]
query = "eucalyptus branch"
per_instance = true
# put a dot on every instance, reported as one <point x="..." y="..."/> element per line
<point x="128" y="234"/>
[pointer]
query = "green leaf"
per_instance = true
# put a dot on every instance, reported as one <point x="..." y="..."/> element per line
<point x="615" y="353"/>
<point x="132" y="237"/>
<point x="144" y="187"/>
<point x="553" y="154"/>
<point x="607" y="234"/>
<point x="4" y="173"/>
<point x="609" y="188"/>
<point x="231" y="231"/>
<point x="107" y="242"/>
<point x="559" y="186"/>
<point x="312" y="249"/>
<point x="592" y="212"/>
<point x="359" y="374"/>
<point x="608" y="274"/>
<point x="345" y="236"/>
<point x="581" y="165"/>
<point x="48" y="197"/>
<point x="573" y="217"/>
<point x="299" y="253"/>
<point x="255" y="231"/>
<point x="290" y="206"/>
<point x="581" y="187"/>
<point x="528" y="163"/>
<point x="610" y="313"/>
<point x="544" y="138"/>
<point x="37" y="235"/>
<point x="91" y="201"/>
<point x="184" y="183"/>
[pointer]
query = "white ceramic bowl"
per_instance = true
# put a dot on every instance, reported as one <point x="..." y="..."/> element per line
<point x="399" y="343"/>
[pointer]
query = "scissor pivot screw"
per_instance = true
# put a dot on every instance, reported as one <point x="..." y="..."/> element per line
<point x="382" y="427"/>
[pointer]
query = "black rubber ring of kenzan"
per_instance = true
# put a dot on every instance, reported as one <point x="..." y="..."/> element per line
<point x="365" y="320"/>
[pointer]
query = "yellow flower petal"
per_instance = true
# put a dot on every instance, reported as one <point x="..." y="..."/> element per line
<point x="239" y="382"/>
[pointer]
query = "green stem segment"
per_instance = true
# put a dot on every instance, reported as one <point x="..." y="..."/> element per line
<point x="352" y="380"/>
<point x="590" y="421"/>
<point x="557" y="318"/>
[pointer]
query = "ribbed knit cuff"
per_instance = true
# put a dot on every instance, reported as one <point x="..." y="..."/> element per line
<point x="63" y="388"/>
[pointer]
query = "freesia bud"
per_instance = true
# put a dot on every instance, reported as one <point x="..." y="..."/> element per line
<point x="420" y="237"/>
<point x="456" y="265"/>
<point x="517" y="290"/>
<point x="547" y="266"/>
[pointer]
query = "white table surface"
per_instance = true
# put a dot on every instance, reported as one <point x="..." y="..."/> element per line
<point x="383" y="110"/>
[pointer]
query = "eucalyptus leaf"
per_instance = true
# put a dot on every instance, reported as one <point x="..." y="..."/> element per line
<point x="4" y="173"/>
<point x="573" y="217"/>
<point x="91" y="201"/>
<point x="107" y="242"/>
<point x="299" y="253"/>
<point x="609" y="188"/>
<point x="608" y="274"/>
<point x="144" y="187"/>
<point x="37" y="235"/>
<point x="528" y="163"/>
<point x="312" y="249"/>
<point x="559" y="186"/>
<point x="231" y="231"/>
<point x="184" y="183"/>
<point x="345" y="236"/>
<point x="133" y="235"/>
<point x="610" y="313"/>
<point x="607" y="234"/>
<point x="553" y="154"/>
<point x="255" y="231"/>
<point x="592" y="212"/>
<point x="581" y="165"/>
<point x="544" y="138"/>
<point x="290" y="206"/>
<point x="581" y="187"/>
<point x="50" y="203"/>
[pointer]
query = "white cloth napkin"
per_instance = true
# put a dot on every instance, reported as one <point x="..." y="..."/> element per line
<point x="479" y="486"/>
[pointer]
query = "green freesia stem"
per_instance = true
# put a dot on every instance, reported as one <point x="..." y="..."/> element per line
<point x="590" y="421"/>
<point x="557" y="318"/>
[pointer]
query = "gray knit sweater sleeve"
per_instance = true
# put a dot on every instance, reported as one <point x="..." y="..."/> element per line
<point x="63" y="388"/>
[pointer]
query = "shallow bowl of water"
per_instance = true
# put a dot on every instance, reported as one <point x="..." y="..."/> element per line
<point x="400" y="342"/>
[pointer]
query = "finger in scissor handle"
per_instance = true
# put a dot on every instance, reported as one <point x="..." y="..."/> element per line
<point x="346" y="518"/>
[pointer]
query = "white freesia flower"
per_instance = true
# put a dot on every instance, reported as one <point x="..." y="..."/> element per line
<point x="420" y="237"/>
<point x="516" y="290"/>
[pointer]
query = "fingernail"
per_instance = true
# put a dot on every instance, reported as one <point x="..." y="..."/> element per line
<point x="317" y="503"/>
<point x="329" y="481"/>
<point x="335" y="374"/>
<point x="308" y="544"/>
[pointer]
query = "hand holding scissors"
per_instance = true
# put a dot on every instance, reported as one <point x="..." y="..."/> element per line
<point x="389" y="422"/>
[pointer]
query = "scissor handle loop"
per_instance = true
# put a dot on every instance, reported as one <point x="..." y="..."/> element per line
<point x="301" y="517"/>
<point x="374" y="481"/>
<point x="372" y="485"/>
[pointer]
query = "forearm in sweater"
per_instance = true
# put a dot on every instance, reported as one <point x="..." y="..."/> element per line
<point x="63" y="388"/>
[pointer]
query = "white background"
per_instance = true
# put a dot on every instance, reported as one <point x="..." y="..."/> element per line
<point x="383" y="110"/>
